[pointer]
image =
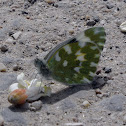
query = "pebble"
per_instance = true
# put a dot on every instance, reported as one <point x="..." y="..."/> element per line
<point x="96" y="19"/>
<point x="109" y="6"/>
<point x="49" y="1"/>
<point x="98" y="72"/>
<point x="34" y="106"/>
<point x="118" y="8"/>
<point x="109" y="81"/>
<point x="17" y="35"/>
<point x="123" y="27"/>
<point x="86" y="104"/>
<point x="4" y="48"/>
<point x="71" y="32"/>
<point x="1" y="121"/>
<point x="26" y="5"/>
<point x="32" y="1"/>
<point x="10" y="33"/>
<point x="16" y="67"/>
<point x="91" y="23"/>
<point x="82" y="17"/>
<point x="52" y="82"/>
<point x="74" y="124"/>
<point x="98" y="82"/>
<point x="125" y="1"/>
<point x="106" y="94"/>
<point x="10" y="40"/>
<point x="40" y="4"/>
<point x="3" y="68"/>
<point x="102" y="22"/>
<point x="98" y="91"/>
<point x="107" y="70"/>
<point x="114" y="103"/>
<point x="87" y="17"/>
<point x="21" y="42"/>
<point x="24" y="12"/>
<point x="56" y="5"/>
<point x="124" y="119"/>
<point x="99" y="95"/>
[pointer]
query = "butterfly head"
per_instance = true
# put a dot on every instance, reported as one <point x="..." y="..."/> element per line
<point x="41" y="65"/>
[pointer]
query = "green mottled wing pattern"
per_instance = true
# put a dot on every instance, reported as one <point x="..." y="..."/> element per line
<point x="75" y="61"/>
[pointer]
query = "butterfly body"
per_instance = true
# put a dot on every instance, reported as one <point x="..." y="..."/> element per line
<point x="74" y="61"/>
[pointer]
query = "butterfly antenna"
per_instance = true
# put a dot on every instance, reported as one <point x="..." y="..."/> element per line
<point x="36" y="75"/>
<point x="33" y="74"/>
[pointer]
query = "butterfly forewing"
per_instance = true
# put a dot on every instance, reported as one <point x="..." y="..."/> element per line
<point x="75" y="61"/>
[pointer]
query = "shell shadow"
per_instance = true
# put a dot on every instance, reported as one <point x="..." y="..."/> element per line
<point x="19" y="108"/>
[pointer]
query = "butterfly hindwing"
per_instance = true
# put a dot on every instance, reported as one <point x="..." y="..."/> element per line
<point x="74" y="61"/>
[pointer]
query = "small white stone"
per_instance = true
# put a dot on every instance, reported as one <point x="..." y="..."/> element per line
<point x="1" y="121"/>
<point x="106" y="94"/>
<point x="10" y="40"/>
<point x="123" y="27"/>
<point x="3" y="68"/>
<point x="74" y="124"/>
<point x="99" y="95"/>
<point x="34" y="106"/>
<point x="86" y="104"/>
<point x="124" y="119"/>
<point x="71" y="31"/>
<point x="40" y="4"/>
<point x="17" y="34"/>
<point x="109" y="81"/>
<point x="74" y="24"/>
<point x="102" y="22"/>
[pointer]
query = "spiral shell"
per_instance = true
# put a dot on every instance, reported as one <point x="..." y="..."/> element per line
<point x="17" y="97"/>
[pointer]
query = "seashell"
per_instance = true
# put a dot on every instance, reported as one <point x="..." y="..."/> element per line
<point x="17" y="97"/>
<point x="123" y="27"/>
<point x="86" y="104"/>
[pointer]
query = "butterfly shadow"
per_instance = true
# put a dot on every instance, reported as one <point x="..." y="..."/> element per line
<point x="98" y="82"/>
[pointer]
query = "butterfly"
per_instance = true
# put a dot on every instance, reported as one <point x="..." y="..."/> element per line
<point x="74" y="61"/>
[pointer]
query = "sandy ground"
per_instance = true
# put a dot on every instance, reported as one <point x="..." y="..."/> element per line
<point x="44" y="24"/>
